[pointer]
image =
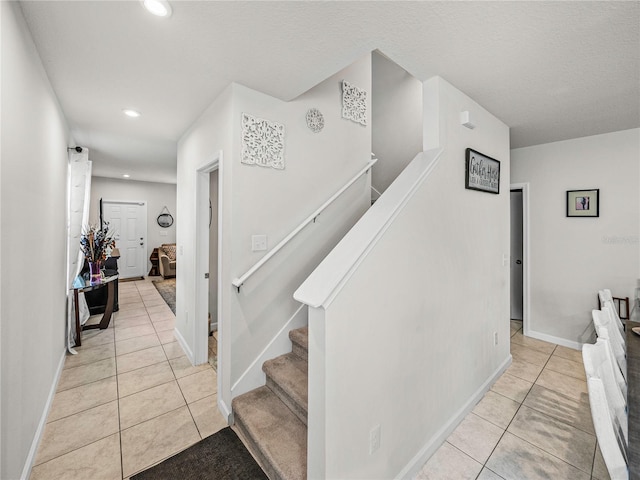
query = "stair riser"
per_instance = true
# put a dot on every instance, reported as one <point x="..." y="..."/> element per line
<point x="300" y="352"/>
<point x="294" y="406"/>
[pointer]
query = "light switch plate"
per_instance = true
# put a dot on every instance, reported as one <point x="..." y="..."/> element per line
<point x="258" y="243"/>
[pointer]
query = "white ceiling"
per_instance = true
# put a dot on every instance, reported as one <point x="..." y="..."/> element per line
<point x="549" y="70"/>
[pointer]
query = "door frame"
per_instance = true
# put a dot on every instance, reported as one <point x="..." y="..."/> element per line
<point x="201" y="321"/>
<point x="526" y="272"/>
<point x="143" y="204"/>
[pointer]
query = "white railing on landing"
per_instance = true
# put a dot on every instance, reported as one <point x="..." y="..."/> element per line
<point x="238" y="282"/>
<point x="320" y="287"/>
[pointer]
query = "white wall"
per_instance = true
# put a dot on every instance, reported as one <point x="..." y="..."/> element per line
<point x="572" y="258"/>
<point x="274" y="202"/>
<point x="201" y="144"/>
<point x="157" y="196"/>
<point x="256" y="200"/>
<point x="33" y="189"/>
<point x="406" y="339"/>
<point x="396" y="112"/>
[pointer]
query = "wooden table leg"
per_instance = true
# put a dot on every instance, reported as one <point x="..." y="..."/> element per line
<point x="78" y="328"/>
<point x="108" y="309"/>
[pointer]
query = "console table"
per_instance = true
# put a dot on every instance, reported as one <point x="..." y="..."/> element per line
<point x="155" y="267"/>
<point x="106" y="317"/>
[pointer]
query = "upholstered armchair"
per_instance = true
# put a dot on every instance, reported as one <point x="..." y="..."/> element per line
<point x="167" y="260"/>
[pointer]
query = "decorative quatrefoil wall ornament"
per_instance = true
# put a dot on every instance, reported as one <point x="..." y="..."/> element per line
<point x="315" y="120"/>
<point x="262" y="142"/>
<point x="354" y="103"/>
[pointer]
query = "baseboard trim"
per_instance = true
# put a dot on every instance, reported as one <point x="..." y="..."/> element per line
<point x="31" y="457"/>
<point x="188" y="352"/>
<point x="225" y="410"/>
<point x="254" y="377"/>
<point x="412" y="469"/>
<point x="550" y="338"/>
<point x="130" y="279"/>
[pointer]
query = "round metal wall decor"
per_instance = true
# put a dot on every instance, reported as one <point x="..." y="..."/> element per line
<point x="165" y="220"/>
<point x="315" y="120"/>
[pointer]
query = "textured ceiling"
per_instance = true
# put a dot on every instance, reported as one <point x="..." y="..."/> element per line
<point x="549" y="70"/>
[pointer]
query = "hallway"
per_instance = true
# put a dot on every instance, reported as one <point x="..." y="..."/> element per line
<point x="129" y="399"/>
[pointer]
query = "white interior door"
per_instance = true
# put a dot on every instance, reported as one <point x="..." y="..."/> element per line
<point x="129" y="221"/>
<point x="516" y="255"/>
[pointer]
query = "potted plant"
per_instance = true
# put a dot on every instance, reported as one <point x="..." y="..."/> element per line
<point x="96" y="243"/>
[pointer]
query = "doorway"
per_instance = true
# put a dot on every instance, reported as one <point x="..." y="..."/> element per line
<point x="207" y="259"/>
<point x="129" y="221"/>
<point x="213" y="268"/>
<point x="519" y="265"/>
<point x="516" y="255"/>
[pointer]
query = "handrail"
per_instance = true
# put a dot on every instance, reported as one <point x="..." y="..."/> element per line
<point x="238" y="282"/>
<point x="319" y="288"/>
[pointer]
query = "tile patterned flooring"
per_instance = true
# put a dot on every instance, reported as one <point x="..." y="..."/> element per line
<point x="129" y="399"/>
<point x="534" y="423"/>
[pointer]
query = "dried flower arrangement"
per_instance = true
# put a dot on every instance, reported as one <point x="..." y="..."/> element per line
<point x="96" y="242"/>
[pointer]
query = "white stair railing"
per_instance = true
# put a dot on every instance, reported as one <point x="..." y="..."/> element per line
<point x="238" y="282"/>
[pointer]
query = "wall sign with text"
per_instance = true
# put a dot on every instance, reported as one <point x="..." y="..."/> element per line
<point x="482" y="172"/>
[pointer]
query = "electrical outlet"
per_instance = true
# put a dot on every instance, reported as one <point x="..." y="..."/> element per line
<point x="374" y="439"/>
<point x="258" y="243"/>
<point x="495" y="338"/>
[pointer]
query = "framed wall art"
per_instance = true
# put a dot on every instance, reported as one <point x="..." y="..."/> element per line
<point x="583" y="203"/>
<point x="482" y="172"/>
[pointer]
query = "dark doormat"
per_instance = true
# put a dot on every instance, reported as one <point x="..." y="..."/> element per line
<point x="221" y="456"/>
<point x="167" y="290"/>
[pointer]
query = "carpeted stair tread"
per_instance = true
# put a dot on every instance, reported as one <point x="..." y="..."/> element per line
<point x="288" y="378"/>
<point x="300" y="341"/>
<point x="274" y="434"/>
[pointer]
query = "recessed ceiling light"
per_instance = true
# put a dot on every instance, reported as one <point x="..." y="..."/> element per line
<point x="161" y="8"/>
<point x="131" y="113"/>
<point x="126" y="175"/>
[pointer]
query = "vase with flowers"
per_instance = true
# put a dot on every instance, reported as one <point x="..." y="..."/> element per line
<point x="96" y="243"/>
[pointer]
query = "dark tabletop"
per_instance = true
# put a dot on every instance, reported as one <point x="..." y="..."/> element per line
<point x="87" y="286"/>
<point x="633" y="398"/>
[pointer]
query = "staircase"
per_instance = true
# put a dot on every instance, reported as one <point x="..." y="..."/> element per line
<point x="272" y="420"/>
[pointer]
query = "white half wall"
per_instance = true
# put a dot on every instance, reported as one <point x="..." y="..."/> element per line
<point x="33" y="186"/>
<point x="157" y="196"/>
<point x="572" y="258"/>
<point x="396" y="127"/>
<point x="405" y="341"/>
